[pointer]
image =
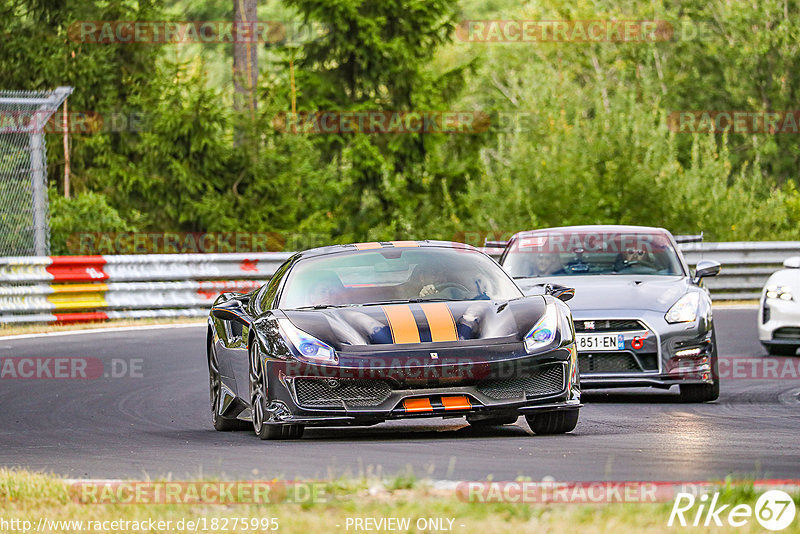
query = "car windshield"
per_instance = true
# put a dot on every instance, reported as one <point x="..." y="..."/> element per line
<point x="396" y="275"/>
<point x="571" y="253"/>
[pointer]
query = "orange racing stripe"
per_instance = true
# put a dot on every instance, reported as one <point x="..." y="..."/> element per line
<point x="460" y="402"/>
<point x="441" y="322"/>
<point x="367" y="246"/>
<point x="405" y="243"/>
<point x="402" y="323"/>
<point x="417" y="405"/>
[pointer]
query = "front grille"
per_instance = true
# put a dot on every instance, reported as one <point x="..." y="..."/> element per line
<point x="616" y="362"/>
<point x="609" y="325"/>
<point x="333" y="392"/>
<point x="545" y="380"/>
<point x="786" y="332"/>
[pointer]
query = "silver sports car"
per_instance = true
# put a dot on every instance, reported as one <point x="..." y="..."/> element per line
<point x="641" y="317"/>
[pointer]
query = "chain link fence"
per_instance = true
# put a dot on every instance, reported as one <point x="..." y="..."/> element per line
<point x="24" y="213"/>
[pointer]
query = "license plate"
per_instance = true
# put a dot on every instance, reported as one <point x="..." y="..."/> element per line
<point x="588" y="342"/>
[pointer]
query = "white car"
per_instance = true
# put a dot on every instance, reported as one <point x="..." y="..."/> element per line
<point x="779" y="320"/>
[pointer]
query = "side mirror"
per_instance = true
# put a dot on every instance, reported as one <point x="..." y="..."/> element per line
<point x="706" y="268"/>
<point x="231" y="310"/>
<point x="792" y="263"/>
<point x="221" y="313"/>
<point x="562" y="293"/>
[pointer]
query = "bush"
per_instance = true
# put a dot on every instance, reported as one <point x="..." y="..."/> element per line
<point x="85" y="212"/>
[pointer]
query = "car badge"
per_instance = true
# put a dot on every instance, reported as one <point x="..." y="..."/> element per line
<point x="435" y="355"/>
<point x="589" y="325"/>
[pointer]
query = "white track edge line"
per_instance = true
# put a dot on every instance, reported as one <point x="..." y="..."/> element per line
<point x="101" y="330"/>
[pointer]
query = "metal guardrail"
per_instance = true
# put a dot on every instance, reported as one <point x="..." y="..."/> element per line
<point x="63" y="289"/>
<point x="745" y="265"/>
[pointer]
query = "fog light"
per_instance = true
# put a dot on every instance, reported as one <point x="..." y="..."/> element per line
<point x="688" y="353"/>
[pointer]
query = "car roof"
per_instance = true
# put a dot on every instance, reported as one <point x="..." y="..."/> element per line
<point x="592" y="228"/>
<point x="377" y="245"/>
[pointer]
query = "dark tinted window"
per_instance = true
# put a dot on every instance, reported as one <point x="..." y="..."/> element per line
<point x="566" y="253"/>
<point x="396" y="274"/>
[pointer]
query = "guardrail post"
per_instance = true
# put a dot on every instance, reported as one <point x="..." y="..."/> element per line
<point x="39" y="192"/>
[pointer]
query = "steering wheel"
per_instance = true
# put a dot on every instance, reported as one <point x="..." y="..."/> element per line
<point x="621" y="264"/>
<point x="453" y="285"/>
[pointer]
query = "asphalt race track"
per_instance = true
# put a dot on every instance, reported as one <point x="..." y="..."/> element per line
<point x="157" y="422"/>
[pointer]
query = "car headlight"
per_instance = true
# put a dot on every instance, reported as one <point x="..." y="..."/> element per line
<point x="779" y="292"/>
<point x="309" y="347"/>
<point x="685" y="310"/>
<point x="544" y="331"/>
<point x="567" y="329"/>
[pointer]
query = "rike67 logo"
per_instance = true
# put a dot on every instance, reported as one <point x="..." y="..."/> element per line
<point x="774" y="510"/>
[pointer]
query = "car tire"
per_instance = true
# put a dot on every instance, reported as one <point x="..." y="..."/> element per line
<point x="258" y="402"/>
<point x="493" y="421"/>
<point x="695" y="393"/>
<point x="558" y="422"/>
<point x="781" y="350"/>
<point x="221" y="424"/>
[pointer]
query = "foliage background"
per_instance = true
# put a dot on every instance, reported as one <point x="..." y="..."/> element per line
<point x="591" y="143"/>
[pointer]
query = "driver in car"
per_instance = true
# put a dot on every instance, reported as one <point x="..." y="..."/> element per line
<point x="548" y="264"/>
<point x="429" y="280"/>
<point x="434" y="282"/>
<point x="629" y="258"/>
<point x="327" y="291"/>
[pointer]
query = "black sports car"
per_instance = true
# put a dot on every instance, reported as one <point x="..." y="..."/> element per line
<point x="358" y="334"/>
<point x="641" y="318"/>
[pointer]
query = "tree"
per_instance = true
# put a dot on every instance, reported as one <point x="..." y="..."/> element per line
<point x="245" y="61"/>
<point x="377" y="55"/>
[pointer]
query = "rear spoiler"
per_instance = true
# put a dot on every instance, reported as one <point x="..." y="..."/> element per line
<point x="689" y="238"/>
<point x="678" y="239"/>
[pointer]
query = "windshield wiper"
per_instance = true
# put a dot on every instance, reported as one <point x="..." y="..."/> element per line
<point x="408" y="301"/>
<point x="322" y="306"/>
